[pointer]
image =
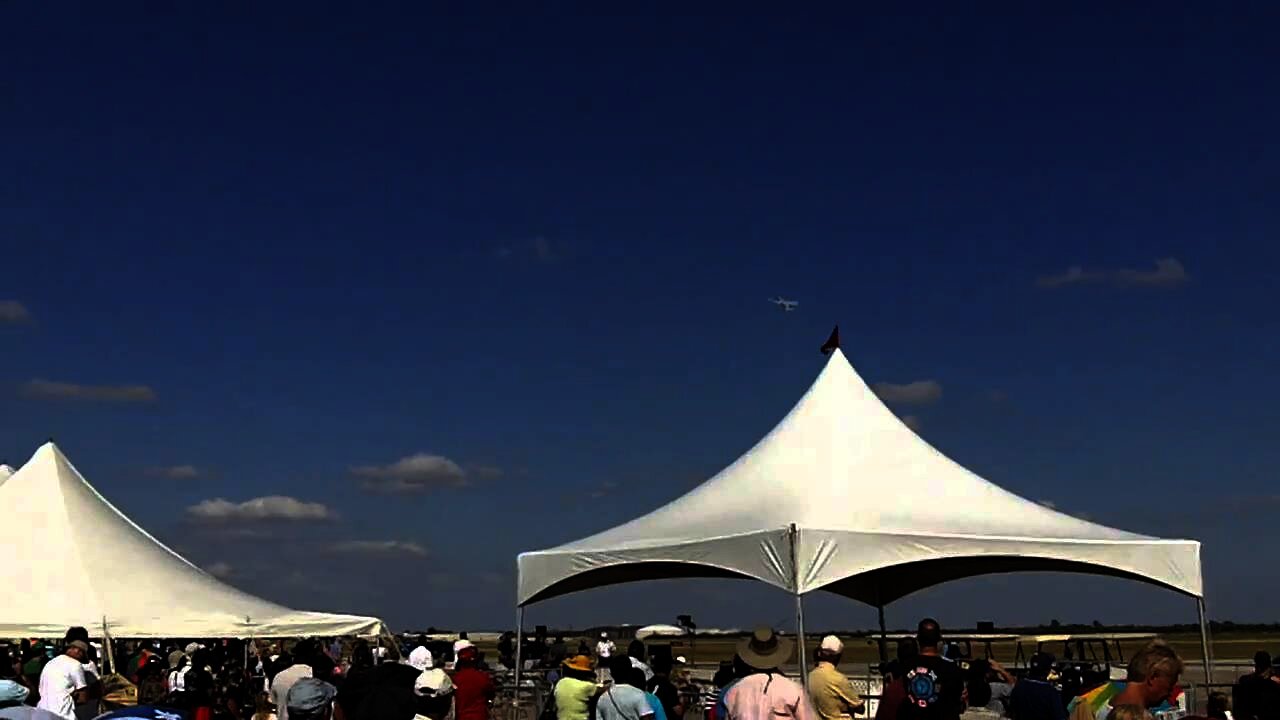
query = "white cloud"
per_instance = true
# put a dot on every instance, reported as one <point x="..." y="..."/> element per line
<point x="220" y="570"/>
<point x="912" y="422"/>
<point x="417" y="473"/>
<point x="13" y="312"/>
<point x="271" y="507"/>
<point x="1168" y="272"/>
<point x="50" y="390"/>
<point x="379" y="547"/>
<point x="920" y="392"/>
<point x="175" y="472"/>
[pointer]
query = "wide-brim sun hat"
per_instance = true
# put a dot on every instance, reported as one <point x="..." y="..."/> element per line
<point x="765" y="649"/>
<point x="581" y="663"/>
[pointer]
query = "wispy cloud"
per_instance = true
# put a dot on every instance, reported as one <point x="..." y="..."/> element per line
<point x="413" y="474"/>
<point x="920" y="392"/>
<point x="379" y="547"/>
<point x="175" y="472"/>
<point x="271" y="507"/>
<point x="13" y="312"/>
<point x="1168" y="272"/>
<point x="484" y="472"/>
<point x="50" y="390"/>
<point x="604" y="489"/>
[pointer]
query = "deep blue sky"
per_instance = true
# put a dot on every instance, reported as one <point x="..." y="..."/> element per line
<point x="538" y="243"/>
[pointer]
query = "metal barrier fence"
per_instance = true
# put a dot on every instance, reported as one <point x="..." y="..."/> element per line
<point x="534" y="691"/>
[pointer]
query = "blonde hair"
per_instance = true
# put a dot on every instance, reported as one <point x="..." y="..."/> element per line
<point x="1157" y="659"/>
<point x="1128" y="712"/>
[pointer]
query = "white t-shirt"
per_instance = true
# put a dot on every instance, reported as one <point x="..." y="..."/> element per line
<point x="604" y="648"/>
<point x="280" y="687"/>
<point x="61" y="678"/>
<point x="623" y="702"/>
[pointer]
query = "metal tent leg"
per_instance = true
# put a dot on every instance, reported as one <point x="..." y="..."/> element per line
<point x="515" y="696"/>
<point x="1205" y="647"/>
<point x="800" y="644"/>
<point x="884" y="638"/>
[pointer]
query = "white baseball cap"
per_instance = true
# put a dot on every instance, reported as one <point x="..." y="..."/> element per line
<point x="432" y="683"/>
<point x="831" y="644"/>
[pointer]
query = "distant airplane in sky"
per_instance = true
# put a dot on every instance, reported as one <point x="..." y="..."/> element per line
<point x="785" y="304"/>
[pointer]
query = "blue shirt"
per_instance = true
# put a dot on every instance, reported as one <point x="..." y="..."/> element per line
<point x="656" y="704"/>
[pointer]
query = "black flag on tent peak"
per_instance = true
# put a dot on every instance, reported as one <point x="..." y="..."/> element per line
<point x="833" y="343"/>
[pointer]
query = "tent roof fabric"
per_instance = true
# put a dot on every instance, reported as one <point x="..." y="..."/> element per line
<point x="78" y="561"/>
<point x="877" y="514"/>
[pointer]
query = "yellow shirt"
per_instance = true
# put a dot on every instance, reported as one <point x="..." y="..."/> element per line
<point x="832" y="693"/>
<point x="573" y="698"/>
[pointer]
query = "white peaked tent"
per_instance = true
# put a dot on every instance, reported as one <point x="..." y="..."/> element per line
<point x="842" y="496"/>
<point x="73" y="559"/>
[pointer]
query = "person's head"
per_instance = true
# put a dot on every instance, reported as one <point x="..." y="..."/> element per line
<point x="12" y="694"/>
<point x="1262" y="661"/>
<point x="420" y="659"/>
<point x="433" y="693"/>
<point x="620" y="669"/>
<point x="830" y="650"/>
<point x="979" y="692"/>
<point x="764" y="650"/>
<point x="579" y="667"/>
<point x="468" y="656"/>
<point x="929" y="635"/>
<point x="77" y="633"/>
<point x="361" y="655"/>
<point x="1219" y="705"/>
<point x="311" y="699"/>
<point x="304" y="653"/>
<point x="908" y="651"/>
<point x="78" y="650"/>
<point x="636" y="650"/>
<point x="662" y="665"/>
<point x="1041" y="665"/>
<point x="1128" y="712"/>
<point x="1156" y="668"/>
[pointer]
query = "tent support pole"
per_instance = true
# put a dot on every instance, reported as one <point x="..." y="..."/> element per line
<point x="884" y="639"/>
<point x="1205" y="647"/>
<point x="800" y="644"/>
<point x="800" y="649"/>
<point x="515" y="695"/>
<point x="106" y="645"/>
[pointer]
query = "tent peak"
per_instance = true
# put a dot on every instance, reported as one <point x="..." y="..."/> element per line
<point x="832" y="345"/>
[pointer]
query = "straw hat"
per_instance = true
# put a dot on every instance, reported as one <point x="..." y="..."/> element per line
<point x="581" y="663"/>
<point x="765" y="650"/>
